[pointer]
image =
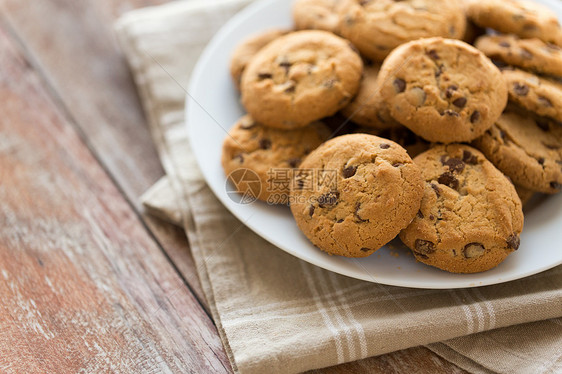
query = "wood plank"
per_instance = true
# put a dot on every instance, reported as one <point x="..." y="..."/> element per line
<point x="83" y="285"/>
<point x="86" y="71"/>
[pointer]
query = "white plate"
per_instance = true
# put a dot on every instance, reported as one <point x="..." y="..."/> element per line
<point x="214" y="107"/>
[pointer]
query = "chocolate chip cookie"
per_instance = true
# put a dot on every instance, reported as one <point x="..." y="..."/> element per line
<point x="368" y="108"/>
<point x="412" y="143"/>
<point x="526" y="149"/>
<point x="376" y="27"/>
<point x="246" y="50"/>
<point x="299" y="78"/>
<point x="316" y="15"/>
<point x="526" y="19"/>
<point x="470" y="216"/>
<point x="443" y="90"/>
<point x="532" y="54"/>
<point x="538" y="94"/>
<point x="269" y="153"/>
<point x="355" y="193"/>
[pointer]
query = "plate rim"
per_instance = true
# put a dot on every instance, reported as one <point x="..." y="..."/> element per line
<point x="190" y="102"/>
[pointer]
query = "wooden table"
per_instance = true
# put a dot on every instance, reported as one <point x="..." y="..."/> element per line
<point x="88" y="281"/>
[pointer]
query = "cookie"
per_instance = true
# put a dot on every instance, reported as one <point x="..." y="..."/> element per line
<point x="540" y="95"/>
<point x="443" y="90"/>
<point x="269" y="154"/>
<point x="532" y="54"/>
<point x="368" y="108"/>
<point x="526" y="19"/>
<point x="376" y="27"/>
<point x="244" y="52"/>
<point x="412" y="143"/>
<point x="354" y="193"/>
<point x="300" y="78"/>
<point x="527" y="150"/>
<point x="316" y="15"/>
<point x="470" y="216"/>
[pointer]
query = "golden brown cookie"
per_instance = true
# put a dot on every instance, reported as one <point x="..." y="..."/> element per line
<point x="268" y="155"/>
<point x="443" y="90"/>
<point x="300" y="78"/>
<point x="376" y="27"/>
<point x="540" y="95"/>
<point x="532" y="54"/>
<point x="526" y="19"/>
<point x="368" y="108"/>
<point x="354" y="193"/>
<point x="527" y="150"/>
<point x="470" y="216"/>
<point x="316" y="15"/>
<point x="244" y="52"/>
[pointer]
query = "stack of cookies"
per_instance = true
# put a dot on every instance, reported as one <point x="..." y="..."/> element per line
<point x="338" y="108"/>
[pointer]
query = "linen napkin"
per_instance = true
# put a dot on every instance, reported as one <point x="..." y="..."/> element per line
<point x="276" y="313"/>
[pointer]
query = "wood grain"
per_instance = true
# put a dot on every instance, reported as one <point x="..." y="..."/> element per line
<point x="83" y="286"/>
<point x="86" y="72"/>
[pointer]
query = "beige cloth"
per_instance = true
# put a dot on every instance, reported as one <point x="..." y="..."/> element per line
<point x="276" y="313"/>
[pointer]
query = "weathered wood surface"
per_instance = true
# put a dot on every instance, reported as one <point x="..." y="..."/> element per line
<point x="83" y="285"/>
<point x="83" y="278"/>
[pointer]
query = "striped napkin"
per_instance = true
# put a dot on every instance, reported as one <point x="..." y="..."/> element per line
<point x="276" y="313"/>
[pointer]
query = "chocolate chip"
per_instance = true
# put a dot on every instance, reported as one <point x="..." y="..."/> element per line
<point x="460" y="102"/>
<point x="311" y="210"/>
<point x="339" y="220"/>
<point x="520" y="89"/>
<point x="239" y="157"/>
<point x="542" y="124"/>
<point x="431" y="217"/>
<point x="349" y="171"/>
<point x="503" y="135"/>
<point x="436" y="189"/>
<point x="433" y="54"/>
<point x="544" y="101"/>
<point x="513" y="241"/>
<point x="540" y="160"/>
<point x="454" y="164"/>
<point x="469" y="158"/>
<point x="504" y="44"/>
<point x="555" y="185"/>
<point x="473" y="250"/>
<point x="328" y="199"/>
<point x="450" y="112"/>
<point x="356" y="214"/>
<point x="265" y="143"/>
<point x="384" y="145"/>
<point x="294" y="162"/>
<point x="448" y="179"/>
<point x="399" y="85"/>
<point x="475" y="116"/>
<point x="500" y="64"/>
<point x="420" y="214"/>
<point x="262" y="76"/>
<point x="526" y="54"/>
<point x="449" y="92"/>
<point x="424" y="247"/>
<point x="366" y="249"/>
<point x="286" y="65"/>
